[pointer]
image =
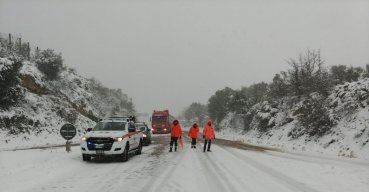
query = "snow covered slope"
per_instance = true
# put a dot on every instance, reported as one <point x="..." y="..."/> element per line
<point x="48" y="105"/>
<point x="349" y="137"/>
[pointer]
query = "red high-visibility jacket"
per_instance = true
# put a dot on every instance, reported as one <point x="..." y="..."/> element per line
<point x="193" y="132"/>
<point x="176" y="130"/>
<point x="208" y="131"/>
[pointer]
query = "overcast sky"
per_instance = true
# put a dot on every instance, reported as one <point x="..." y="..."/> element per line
<point x="170" y="53"/>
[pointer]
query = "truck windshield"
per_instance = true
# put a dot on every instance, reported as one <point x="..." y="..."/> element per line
<point x="110" y="126"/>
<point x="159" y="118"/>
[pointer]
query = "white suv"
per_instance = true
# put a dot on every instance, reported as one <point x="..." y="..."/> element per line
<point x="112" y="137"/>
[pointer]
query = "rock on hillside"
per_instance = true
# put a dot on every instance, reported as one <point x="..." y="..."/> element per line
<point x="48" y="105"/>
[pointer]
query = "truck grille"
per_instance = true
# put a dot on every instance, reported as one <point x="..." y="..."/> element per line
<point x="103" y="143"/>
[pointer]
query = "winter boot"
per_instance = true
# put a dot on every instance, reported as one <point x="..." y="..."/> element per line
<point x="194" y="146"/>
<point x="175" y="149"/>
<point x="170" y="150"/>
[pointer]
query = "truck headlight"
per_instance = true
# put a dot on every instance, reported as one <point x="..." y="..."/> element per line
<point x="165" y="129"/>
<point x="118" y="139"/>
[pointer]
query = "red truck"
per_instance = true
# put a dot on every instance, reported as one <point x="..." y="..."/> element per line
<point x="160" y="122"/>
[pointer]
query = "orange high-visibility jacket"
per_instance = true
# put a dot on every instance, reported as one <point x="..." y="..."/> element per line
<point x="208" y="131"/>
<point x="176" y="130"/>
<point x="193" y="132"/>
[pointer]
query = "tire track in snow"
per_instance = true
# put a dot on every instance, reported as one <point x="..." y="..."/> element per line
<point x="120" y="172"/>
<point x="161" y="177"/>
<point x="294" y="184"/>
<point x="108" y="172"/>
<point x="232" y="177"/>
<point x="221" y="182"/>
<point x="317" y="159"/>
<point x="212" y="179"/>
<point x="215" y="180"/>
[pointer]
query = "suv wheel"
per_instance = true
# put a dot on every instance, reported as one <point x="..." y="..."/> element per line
<point x="125" y="156"/>
<point x="139" y="149"/>
<point x="86" y="157"/>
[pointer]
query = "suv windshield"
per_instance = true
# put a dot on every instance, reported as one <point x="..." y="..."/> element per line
<point x="110" y="126"/>
<point x="159" y="118"/>
<point x="141" y="127"/>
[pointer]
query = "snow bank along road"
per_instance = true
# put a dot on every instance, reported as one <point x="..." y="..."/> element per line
<point x="231" y="166"/>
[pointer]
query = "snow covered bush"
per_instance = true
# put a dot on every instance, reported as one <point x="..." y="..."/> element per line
<point x="313" y="116"/>
<point x="349" y="97"/>
<point x="49" y="63"/>
<point x="10" y="91"/>
<point x="262" y="116"/>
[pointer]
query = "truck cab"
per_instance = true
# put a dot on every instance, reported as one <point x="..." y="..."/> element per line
<point x="160" y="122"/>
<point x="112" y="136"/>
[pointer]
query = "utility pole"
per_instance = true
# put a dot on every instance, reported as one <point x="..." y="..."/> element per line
<point x="10" y="41"/>
<point x="20" y="45"/>
<point x="29" y="51"/>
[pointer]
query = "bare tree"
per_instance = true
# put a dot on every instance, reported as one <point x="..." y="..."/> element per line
<point x="308" y="74"/>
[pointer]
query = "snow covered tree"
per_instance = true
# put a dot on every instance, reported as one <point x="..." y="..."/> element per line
<point x="257" y="92"/>
<point x="308" y="74"/>
<point x="10" y="91"/>
<point x="366" y="73"/>
<point x="279" y="87"/>
<point x="313" y="115"/>
<point x="196" y="112"/>
<point x="218" y="103"/>
<point x="50" y="63"/>
<point x="341" y="74"/>
<point x="239" y="102"/>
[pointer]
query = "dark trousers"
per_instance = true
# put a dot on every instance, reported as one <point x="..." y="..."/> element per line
<point x="207" y="142"/>
<point x="193" y="142"/>
<point x="174" y="140"/>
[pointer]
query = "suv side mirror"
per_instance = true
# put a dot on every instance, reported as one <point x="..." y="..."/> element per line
<point x="89" y="129"/>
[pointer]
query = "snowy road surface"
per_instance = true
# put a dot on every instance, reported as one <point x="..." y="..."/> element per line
<point x="230" y="167"/>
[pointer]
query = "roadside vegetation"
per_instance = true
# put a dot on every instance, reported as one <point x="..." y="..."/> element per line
<point x="301" y="94"/>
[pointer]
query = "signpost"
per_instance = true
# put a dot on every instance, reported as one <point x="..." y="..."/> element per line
<point x="68" y="132"/>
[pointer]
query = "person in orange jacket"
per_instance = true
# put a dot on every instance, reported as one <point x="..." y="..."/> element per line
<point x="194" y="130"/>
<point x="176" y="132"/>
<point x="208" y="134"/>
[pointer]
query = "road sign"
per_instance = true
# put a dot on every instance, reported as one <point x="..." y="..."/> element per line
<point x="68" y="131"/>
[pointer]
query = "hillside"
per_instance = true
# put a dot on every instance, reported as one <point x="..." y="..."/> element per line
<point x="48" y="104"/>
<point x="276" y="123"/>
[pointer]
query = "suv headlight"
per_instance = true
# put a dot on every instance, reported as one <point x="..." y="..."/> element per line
<point x="84" y="138"/>
<point x="118" y="139"/>
<point x="144" y="135"/>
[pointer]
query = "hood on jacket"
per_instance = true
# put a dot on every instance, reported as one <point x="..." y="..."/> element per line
<point x="175" y="122"/>
<point x="195" y="125"/>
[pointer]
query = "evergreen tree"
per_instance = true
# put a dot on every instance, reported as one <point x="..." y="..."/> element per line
<point x="50" y="63"/>
<point x="10" y="91"/>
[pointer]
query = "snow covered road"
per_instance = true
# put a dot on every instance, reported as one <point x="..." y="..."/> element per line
<point x="228" y="168"/>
